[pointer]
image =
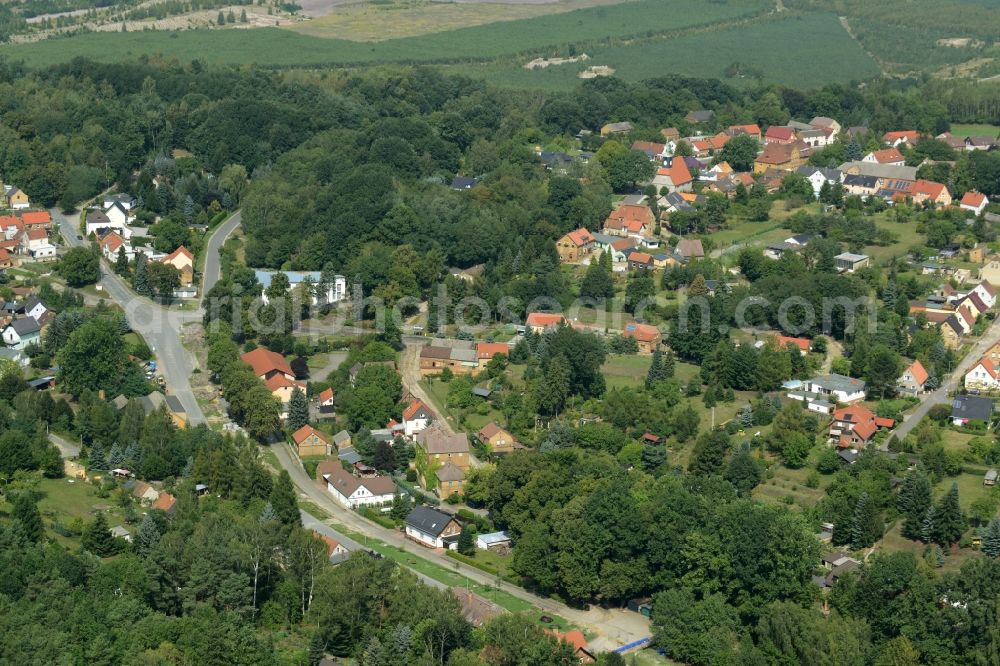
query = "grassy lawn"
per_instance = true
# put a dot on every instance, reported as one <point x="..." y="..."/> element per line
<point x="442" y="574"/>
<point x="954" y="440"/>
<point x="906" y="237"/>
<point x="975" y="130"/>
<point x="69" y="501"/>
<point x="625" y="370"/>
<point x="470" y="419"/>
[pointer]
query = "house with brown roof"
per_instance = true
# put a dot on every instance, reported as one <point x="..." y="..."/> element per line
<point x="612" y="129"/>
<point x="460" y="360"/>
<point x="165" y="503"/>
<point x="575" y="246"/>
<point x="354" y="492"/>
<point x="913" y="379"/>
<point x="497" y="439"/>
<point x="670" y="133"/>
<point x="437" y="449"/>
<point x="640" y="261"/>
<point x="690" y="248"/>
<point x="782" y="156"/>
<point x="311" y="442"/>
<point x="752" y="131"/>
<point x="476" y="610"/>
<point x="646" y="336"/>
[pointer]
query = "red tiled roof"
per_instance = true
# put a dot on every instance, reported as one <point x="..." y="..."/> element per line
<point x="580" y="237"/>
<point x="413" y="408"/>
<point x="801" y="343"/>
<point x="326" y="395"/>
<point x="630" y="217"/>
<point x="678" y="172"/>
<point x="780" y="133"/>
<point x="488" y="350"/>
<point x="640" y="258"/>
<point x="919" y="373"/>
<point x="165" y="502"/>
<point x="112" y="242"/>
<point x="752" y="130"/>
<point x="990" y="289"/>
<point x="973" y="199"/>
<point x="641" y="332"/>
<point x="888" y="155"/>
<point x="263" y="361"/>
<point x="544" y="319"/>
<point x="929" y="188"/>
<point x="910" y="135"/>
<point x="305" y="431"/>
<point x="181" y="251"/>
<point x="275" y="382"/>
<point x="36" y="217"/>
<point x="648" y="147"/>
<point x="37" y="234"/>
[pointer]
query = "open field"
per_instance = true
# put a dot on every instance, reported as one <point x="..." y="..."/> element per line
<point x="833" y="56"/>
<point x="625" y="371"/>
<point x="975" y="130"/>
<point x="376" y="22"/>
<point x="276" y="47"/>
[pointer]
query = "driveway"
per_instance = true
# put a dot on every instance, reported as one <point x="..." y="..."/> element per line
<point x="67" y="449"/>
<point x="157" y="324"/>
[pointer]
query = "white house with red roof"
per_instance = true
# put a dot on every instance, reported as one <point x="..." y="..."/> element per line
<point x="890" y="156"/>
<point x="983" y="376"/>
<point x="539" y="322"/>
<point x="896" y="139"/>
<point x="974" y="201"/>
<point x="913" y="379"/>
<point x="416" y="417"/>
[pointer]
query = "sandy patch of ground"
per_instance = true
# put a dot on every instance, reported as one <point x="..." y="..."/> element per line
<point x="366" y="22"/>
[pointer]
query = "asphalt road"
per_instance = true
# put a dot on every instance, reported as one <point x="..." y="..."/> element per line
<point x="213" y="265"/>
<point x="66" y="448"/>
<point x="158" y="325"/>
<point x="618" y="626"/>
<point x="942" y="394"/>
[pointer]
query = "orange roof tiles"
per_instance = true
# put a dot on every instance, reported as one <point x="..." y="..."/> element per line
<point x="305" y="431"/>
<point x="487" y="350"/>
<point x="580" y="237"/>
<point x="919" y="373"/>
<point x="545" y="319"/>
<point x="641" y="332"/>
<point x="888" y="156"/>
<point x="263" y="361"/>
<point x="973" y="199"/>
<point x="36" y="217"/>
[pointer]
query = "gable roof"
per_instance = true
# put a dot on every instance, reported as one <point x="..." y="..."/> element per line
<point x="280" y="381"/>
<point x="165" y="502"/>
<point x="180" y="252"/>
<point x="887" y="155"/>
<point x="326" y="394"/>
<point x="414" y="408"/>
<point x="307" y="431"/>
<point x="690" y="247"/>
<point x="908" y="135"/>
<point x="37" y="234"/>
<point x="678" y="173"/>
<point x="544" y="319"/>
<point x="649" y="147"/>
<point x="435" y="440"/>
<point x="489" y="430"/>
<point x="641" y="332"/>
<point x="111" y="242"/>
<point x="25" y="326"/>
<point x="972" y="407"/>
<point x="428" y="521"/>
<point x="263" y="361"/>
<point x="776" y="153"/>
<point x="487" y="350"/>
<point x="918" y="372"/>
<point x="801" y="343"/>
<point x="736" y="130"/>
<point x="347" y="484"/>
<point x="780" y="133"/>
<point x="974" y="199"/>
<point x="580" y="237"/>
<point x="449" y="472"/>
<point x="36" y="217"/>
<point x="929" y="188"/>
<point x="631" y="217"/>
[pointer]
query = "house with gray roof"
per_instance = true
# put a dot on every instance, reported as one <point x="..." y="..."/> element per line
<point x="22" y="332"/>
<point x="970" y="409"/>
<point x="432" y="528"/>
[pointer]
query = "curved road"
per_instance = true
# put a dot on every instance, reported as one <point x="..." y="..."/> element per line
<point x="213" y="265"/>
<point x="159" y="325"/>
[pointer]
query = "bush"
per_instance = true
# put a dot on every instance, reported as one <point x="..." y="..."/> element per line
<point x="829" y="461"/>
<point x="812" y="481"/>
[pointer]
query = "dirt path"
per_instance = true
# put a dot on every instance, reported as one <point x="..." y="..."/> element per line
<point x="833" y="350"/>
<point x="409" y="369"/>
<point x="847" y="27"/>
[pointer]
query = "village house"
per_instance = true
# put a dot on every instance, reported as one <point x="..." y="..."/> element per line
<point x="670" y="133"/>
<point x="848" y="262"/>
<point x="416" y="417"/>
<point x="282" y="388"/>
<point x="539" y="322"/>
<point x="437" y="449"/>
<point x="974" y="202"/>
<point x="336" y="290"/>
<point x="885" y="156"/>
<point x="342" y="441"/>
<point x="119" y="214"/>
<point x="971" y="409"/>
<point x="432" y="528"/>
<point x="496" y="439"/>
<point x="913" y="379"/>
<point x="656" y="152"/>
<point x="15" y="198"/>
<point x="630" y="220"/>
<point x="324" y="402"/>
<point x="924" y="191"/>
<point x="675" y="178"/>
<point x="984" y="375"/>
<point x="145" y="493"/>
<point x="575" y="246"/>
<point x="154" y="401"/>
<point x="778" y="134"/>
<point x="986" y="292"/>
<point x="485" y="351"/>
<point x="110" y="245"/>
<point x="267" y="364"/>
<point x="782" y="156"/>
<point x="311" y="442"/>
<point x="951" y="333"/>
<point x="844" y="390"/>
<point x="640" y="261"/>
<point x="646" y="336"/>
<point x="752" y="131"/>
<point x="853" y="427"/>
<point x="859" y="185"/>
<point x="980" y="143"/>
<point x="612" y="129"/>
<point x="353" y="492"/>
<point x="36" y="219"/>
<point x="22" y="332"/>
<point x="896" y="139"/>
<point x="817" y="176"/>
<point x="183" y="261"/>
<point x="434" y="359"/>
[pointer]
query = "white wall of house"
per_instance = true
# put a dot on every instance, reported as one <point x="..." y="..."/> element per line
<point x="424" y="538"/>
